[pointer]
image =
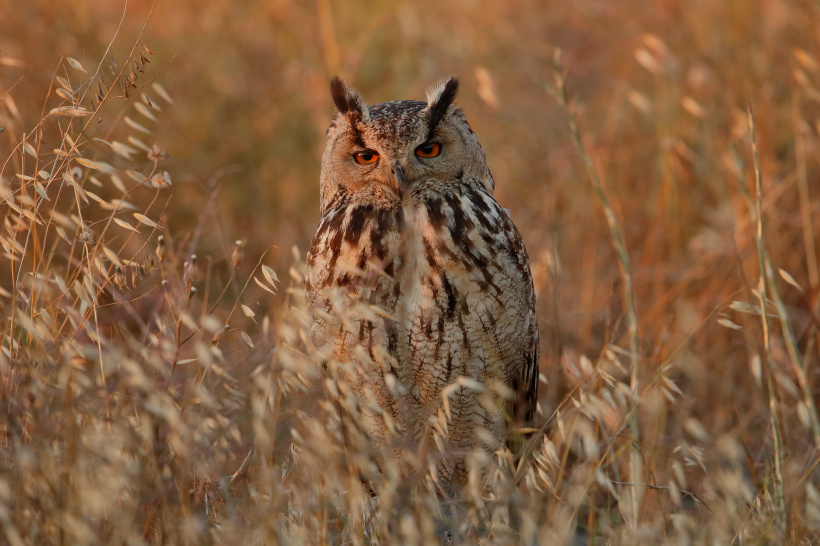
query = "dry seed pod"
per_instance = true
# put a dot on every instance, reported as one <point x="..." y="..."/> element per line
<point x="160" y="251"/>
<point x="119" y="277"/>
<point x="160" y="180"/>
<point x="159" y="153"/>
<point x="238" y="254"/>
<point x="189" y="273"/>
<point x="221" y="332"/>
<point x="87" y="236"/>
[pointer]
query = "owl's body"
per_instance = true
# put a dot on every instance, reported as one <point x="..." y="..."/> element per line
<point x="437" y="270"/>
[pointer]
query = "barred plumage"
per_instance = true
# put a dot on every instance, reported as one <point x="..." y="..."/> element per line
<point x="436" y="267"/>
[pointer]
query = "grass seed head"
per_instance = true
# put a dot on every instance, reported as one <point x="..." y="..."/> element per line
<point x="160" y="250"/>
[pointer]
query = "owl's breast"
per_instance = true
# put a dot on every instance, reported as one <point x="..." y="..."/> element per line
<point x="352" y="264"/>
<point x="450" y="279"/>
<point x="465" y="305"/>
<point x="449" y="271"/>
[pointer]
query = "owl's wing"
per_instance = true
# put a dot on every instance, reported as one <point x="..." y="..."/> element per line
<point x="525" y="380"/>
<point x="320" y="259"/>
<point x="527" y="389"/>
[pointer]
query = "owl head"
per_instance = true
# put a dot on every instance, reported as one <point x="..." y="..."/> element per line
<point x="390" y="153"/>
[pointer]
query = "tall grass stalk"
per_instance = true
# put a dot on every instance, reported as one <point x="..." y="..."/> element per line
<point x="636" y="491"/>
<point x="771" y="377"/>
<point x="615" y="232"/>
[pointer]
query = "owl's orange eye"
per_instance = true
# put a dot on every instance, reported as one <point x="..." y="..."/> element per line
<point x="431" y="149"/>
<point x="367" y="157"/>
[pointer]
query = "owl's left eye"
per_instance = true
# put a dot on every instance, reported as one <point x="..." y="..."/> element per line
<point x="430" y="149"/>
<point x="367" y="157"/>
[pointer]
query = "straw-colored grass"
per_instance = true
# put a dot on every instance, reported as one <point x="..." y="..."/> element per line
<point x="159" y="162"/>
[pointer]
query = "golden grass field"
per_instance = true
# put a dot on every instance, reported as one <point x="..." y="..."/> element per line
<point x="148" y="397"/>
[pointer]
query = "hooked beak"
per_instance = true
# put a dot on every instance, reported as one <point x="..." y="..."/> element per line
<point x="399" y="174"/>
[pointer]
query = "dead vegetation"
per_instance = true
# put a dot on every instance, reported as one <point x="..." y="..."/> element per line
<point x="156" y="383"/>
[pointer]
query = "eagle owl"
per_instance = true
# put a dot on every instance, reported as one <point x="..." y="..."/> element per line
<point x="411" y="236"/>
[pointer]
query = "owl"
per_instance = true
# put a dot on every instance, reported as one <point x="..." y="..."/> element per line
<point x="419" y="281"/>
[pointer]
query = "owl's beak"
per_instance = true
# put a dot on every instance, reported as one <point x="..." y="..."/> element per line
<point x="399" y="174"/>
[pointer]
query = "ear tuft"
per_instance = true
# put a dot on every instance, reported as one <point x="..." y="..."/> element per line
<point x="348" y="101"/>
<point x="439" y="99"/>
<point x="338" y="90"/>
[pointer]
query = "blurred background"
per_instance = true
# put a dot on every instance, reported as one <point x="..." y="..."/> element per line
<point x="661" y="91"/>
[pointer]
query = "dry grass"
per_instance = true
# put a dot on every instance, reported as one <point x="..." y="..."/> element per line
<point x="156" y="385"/>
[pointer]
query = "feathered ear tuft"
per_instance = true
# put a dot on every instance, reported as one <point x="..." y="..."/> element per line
<point x="439" y="99"/>
<point x="348" y="101"/>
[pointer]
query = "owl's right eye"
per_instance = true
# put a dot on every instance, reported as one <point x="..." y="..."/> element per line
<point x="367" y="157"/>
